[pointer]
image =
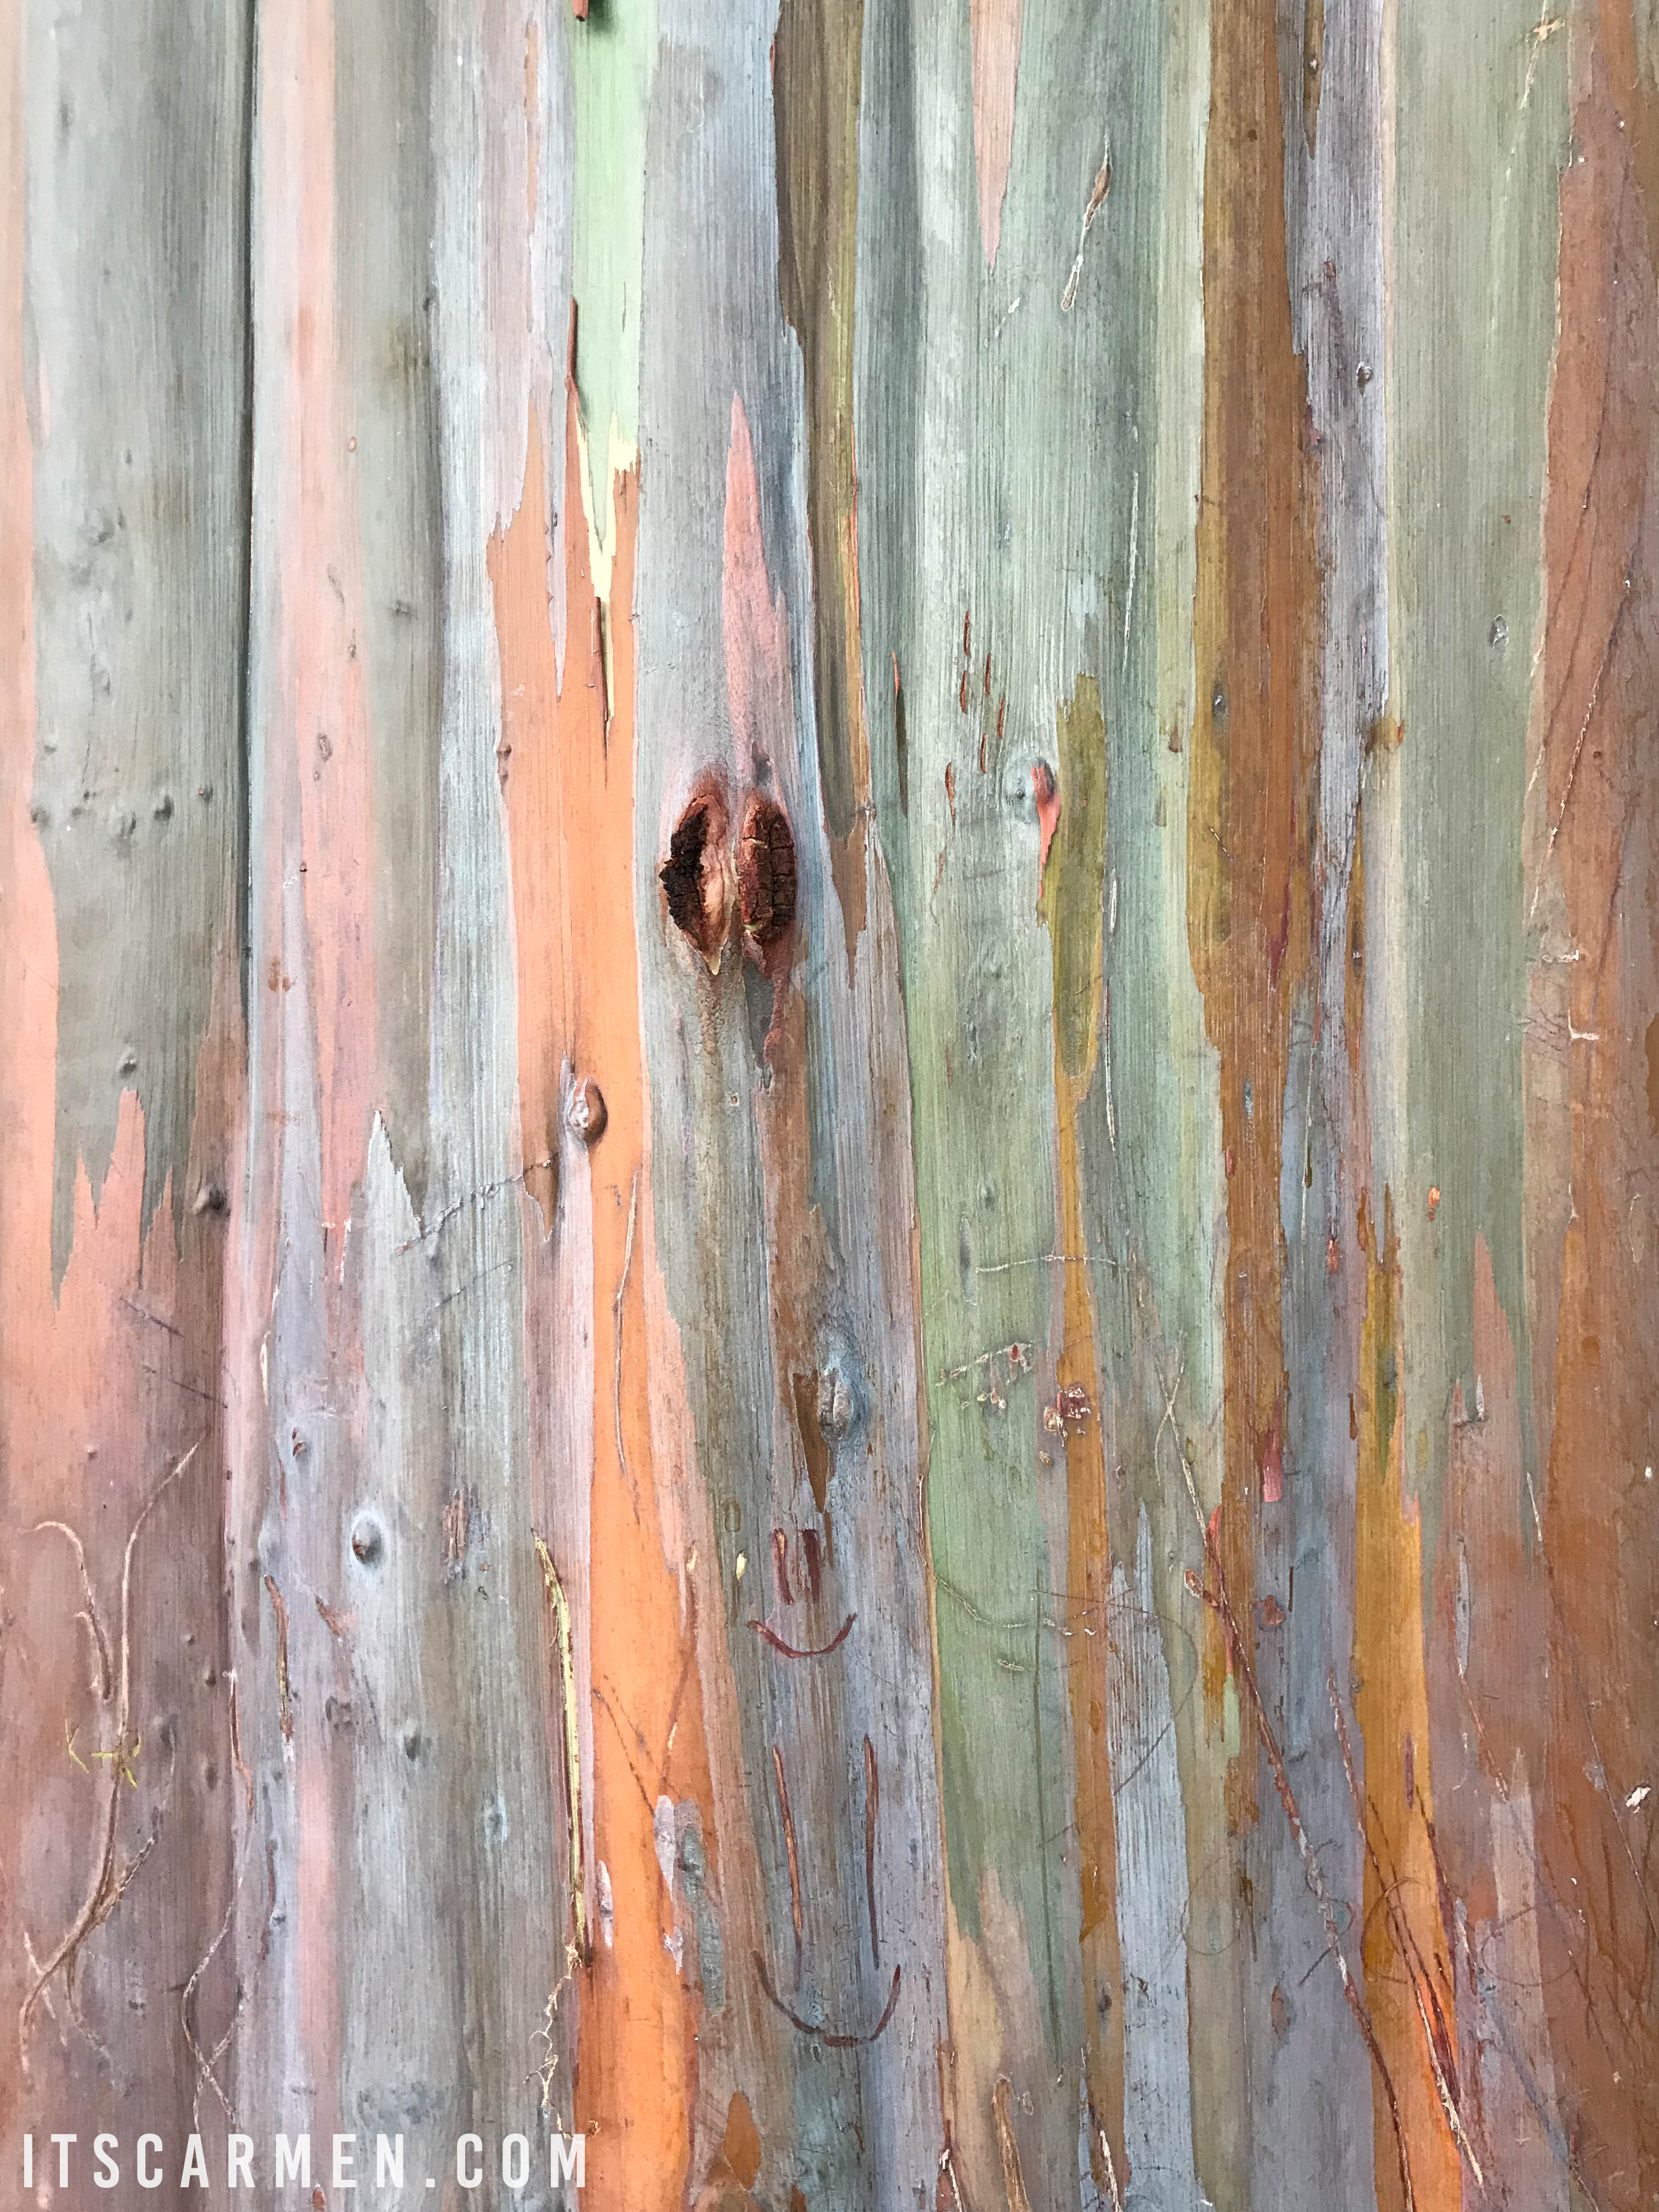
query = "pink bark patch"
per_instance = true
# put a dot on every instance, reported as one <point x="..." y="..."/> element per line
<point x="1047" y="809"/>
<point x="994" y="27"/>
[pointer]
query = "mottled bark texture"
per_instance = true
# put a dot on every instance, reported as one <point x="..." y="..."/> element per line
<point x="830" y="1116"/>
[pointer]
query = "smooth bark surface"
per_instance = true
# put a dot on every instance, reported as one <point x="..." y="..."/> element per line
<point x="829" y="1112"/>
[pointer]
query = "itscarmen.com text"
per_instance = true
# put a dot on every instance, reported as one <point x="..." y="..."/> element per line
<point x="343" y="2162"/>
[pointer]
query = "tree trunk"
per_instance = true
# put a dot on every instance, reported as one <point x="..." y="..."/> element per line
<point x="830" y="1131"/>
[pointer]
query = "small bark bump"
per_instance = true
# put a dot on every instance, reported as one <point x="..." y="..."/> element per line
<point x="368" y="1541"/>
<point x="586" y="1114"/>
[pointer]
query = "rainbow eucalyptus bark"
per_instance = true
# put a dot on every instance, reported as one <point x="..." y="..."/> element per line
<point x="828" y="1140"/>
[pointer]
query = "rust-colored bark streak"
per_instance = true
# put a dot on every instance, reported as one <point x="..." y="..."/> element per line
<point x="1089" y="1551"/>
<point x="1427" y="1981"/>
<point x="1254" y="736"/>
<point x="1072" y="817"/>
<point x="1599" y="675"/>
<point x="815" y="1449"/>
<point x="1397" y="1810"/>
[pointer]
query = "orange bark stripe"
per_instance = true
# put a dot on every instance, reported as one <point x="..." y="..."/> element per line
<point x="568" y="772"/>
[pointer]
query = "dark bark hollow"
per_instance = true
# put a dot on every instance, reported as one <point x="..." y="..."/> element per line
<point x="694" y="878"/>
<point x="766" y="876"/>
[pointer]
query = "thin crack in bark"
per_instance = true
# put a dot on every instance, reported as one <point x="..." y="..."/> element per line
<point x="1613" y="629"/>
<point x="88" y="1612"/>
<point x="207" y="2061"/>
<point x="1097" y="200"/>
<point x="70" y="1998"/>
<point x="473" y="1198"/>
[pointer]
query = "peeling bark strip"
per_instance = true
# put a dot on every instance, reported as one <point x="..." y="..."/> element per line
<point x="1013" y="2181"/>
<point x="285" y="1702"/>
<point x="1099" y="1449"/>
<point x="1254" y="736"/>
<point x="572" y="1761"/>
